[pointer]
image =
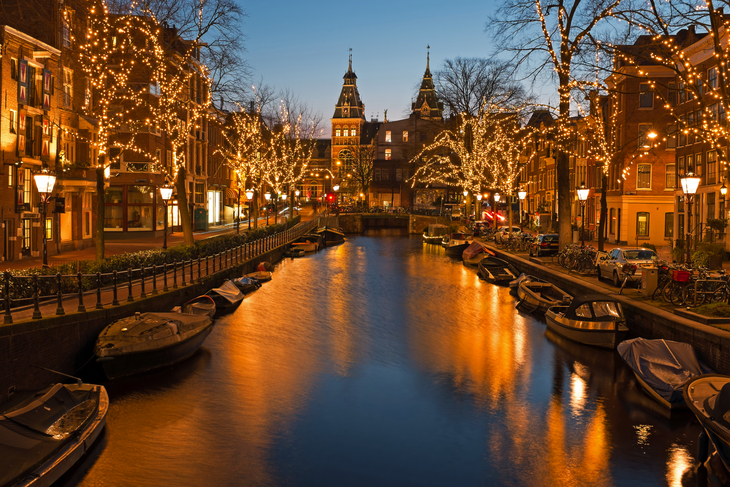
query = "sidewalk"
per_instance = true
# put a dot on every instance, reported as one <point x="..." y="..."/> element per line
<point x="116" y="247"/>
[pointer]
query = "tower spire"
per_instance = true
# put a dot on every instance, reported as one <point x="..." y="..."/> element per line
<point x="428" y="57"/>
<point x="350" y="59"/>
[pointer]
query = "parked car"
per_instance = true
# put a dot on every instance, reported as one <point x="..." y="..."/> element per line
<point x="544" y="244"/>
<point x="503" y="233"/>
<point x="612" y="265"/>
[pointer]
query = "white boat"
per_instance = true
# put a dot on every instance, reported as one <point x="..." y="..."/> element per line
<point x="455" y="243"/>
<point x="596" y="320"/>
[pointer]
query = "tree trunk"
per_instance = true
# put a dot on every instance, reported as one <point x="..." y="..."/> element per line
<point x="563" y="168"/>
<point x="510" y="216"/>
<point x="467" y="206"/>
<point x="255" y="208"/>
<point x="604" y="212"/>
<point x="182" y="206"/>
<point x="100" y="213"/>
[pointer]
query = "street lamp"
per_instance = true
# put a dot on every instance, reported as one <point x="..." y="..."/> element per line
<point x="291" y="211"/>
<point x="723" y="192"/>
<point x="44" y="181"/>
<point x="479" y="200"/>
<point x="296" y="193"/>
<point x="521" y="194"/>
<point x="166" y="193"/>
<point x="689" y="188"/>
<point x="494" y="210"/>
<point x="268" y="197"/>
<point x="583" y="197"/>
<point x="249" y="197"/>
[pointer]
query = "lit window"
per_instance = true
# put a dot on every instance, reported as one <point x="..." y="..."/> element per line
<point x="49" y="229"/>
<point x="712" y="77"/>
<point x="346" y="133"/>
<point x="668" y="225"/>
<point x="405" y="136"/>
<point x="387" y="136"/>
<point x="642" y="224"/>
<point x="643" y="176"/>
<point x="354" y="132"/>
<point x="12" y="121"/>
<point x="67" y="87"/>
<point x="11" y="170"/>
<point x="671" y="177"/>
<point x="338" y="132"/>
<point x="388" y="155"/>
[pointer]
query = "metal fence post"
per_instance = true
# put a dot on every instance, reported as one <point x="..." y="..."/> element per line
<point x="164" y="277"/>
<point x="154" y="279"/>
<point x="129" y="285"/>
<point x="142" y="294"/>
<point x="36" y="305"/>
<point x="8" y="316"/>
<point x="200" y="276"/>
<point x="192" y="280"/>
<point x="174" y="275"/>
<point x="115" y="301"/>
<point x="183" y="274"/>
<point x="98" y="291"/>
<point x="59" y="308"/>
<point x="82" y="308"/>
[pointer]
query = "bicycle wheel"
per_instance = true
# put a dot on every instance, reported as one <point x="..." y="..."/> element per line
<point x="719" y="296"/>
<point x="657" y="294"/>
<point x="676" y="295"/>
<point x="692" y="296"/>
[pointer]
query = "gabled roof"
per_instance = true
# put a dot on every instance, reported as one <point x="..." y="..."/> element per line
<point x="427" y="104"/>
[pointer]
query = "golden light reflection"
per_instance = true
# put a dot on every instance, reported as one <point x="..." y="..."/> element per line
<point x="642" y="433"/>
<point x="577" y="395"/>
<point x="680" y="461"/>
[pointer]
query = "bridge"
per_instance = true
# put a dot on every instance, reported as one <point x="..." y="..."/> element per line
<point x="360" y="222"/>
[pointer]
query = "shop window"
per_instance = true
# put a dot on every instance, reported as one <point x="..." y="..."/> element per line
<point x="642" y="224"/>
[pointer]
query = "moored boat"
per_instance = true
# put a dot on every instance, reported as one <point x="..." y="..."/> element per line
<point x="434" y="233"/>
<point x="537" y="295"/>
<point x="497" y="271"/>
<point x="202" y="305"/>
<point x="708" y="397"/>
<point x="148" y="341"/>
<point x="228" y="295"/>
<point x="294" y="252"/>
<point x="331" y="235"/>
<point x="474" y="253"/>
<point x="306" y="243"/>
<point x="260" y="276"/>
<point x="43" y="435"/>
<point x="247" y="284"/>
<point x="592" y="320"/>
<point x="515" y="284"/>
<point x="455" y="243"/>
<point x="662" y="368"/>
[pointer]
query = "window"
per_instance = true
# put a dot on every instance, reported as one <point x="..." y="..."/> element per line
<point x="646" y="97"/>
<point x="682" y="93"/>
<point x="388" y="155"/>
<point x="49" y="228"/>
<point x="712" y="77"/>
<point x="353" y="132"/>
<point x="710" y="205"/>
<point x="612" y="221"/>
<point x="26" y="186"/>
<point x="713" y="111"/>
<point x="399" y="174"/>
<point x="721" y="112"/>
<point x="376" y="174"/>
<point x="199" y="192"/>
<point x="671" y="136"/>
<point x="14" y="69"/>
<point x="67" y="87"/>
<point x="387" y="136"/>
<point x="643" y="176"/>
<point x="690" y="163"/>
<point x="669" y="225"/>
<point x="711" y="167"/>
<point x="67" y="21"/>
<point x="12" y="122"/>
<point x="682" y="170"/>
<point x="642" y="224"/>
<point x="644" y="141"/>
<point x="405" y="136"/>
<point x="337" y="132"/>
<point x="11" y="173"/>
<point x="670" y="177"/>
<point x="346" y="132"/>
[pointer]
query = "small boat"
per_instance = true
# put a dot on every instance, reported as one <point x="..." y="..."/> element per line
<point x="513" y="285"/>
<point x="306" y="243"/>
<point x="474" y="253"/>
<point x="260" y="276"/>
<point x="202" y="305"/>
<point x="148" y="341"/>
<point x="331" y="235"/>
<point x="537" y="295"/>
<point x="265" y="267"/>
<point x="455" y="243"/>
<point x="44" y="435"/>
<point x="662" y="368"/>
<point x="226" y="296"/>
<point x="434" y="233"/>
<point x="708" y="397"/>
<point x="247" y="284"/>
<point x="294" y="252"/>
<point x="314" y="237"/>
<point x="591" y="319"/>
<point x="497" y="271"/>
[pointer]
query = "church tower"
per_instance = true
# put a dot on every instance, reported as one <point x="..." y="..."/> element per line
<point x="427" y="105"/>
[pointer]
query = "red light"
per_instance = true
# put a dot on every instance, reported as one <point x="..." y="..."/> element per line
<point x="331" y="197"/>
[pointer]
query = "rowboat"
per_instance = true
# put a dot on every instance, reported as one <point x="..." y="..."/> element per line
<point x="260" y="276"/>
<point x="708" y="397"/>
<point x="455" y="243"/>
<point x="226" y="296"/>
<point x="202" y="305"/>
<point x="247" y="284"/>
<point x="537" y="295"/>
<point x="497" y="271"/>
<point x="592" y="320"/>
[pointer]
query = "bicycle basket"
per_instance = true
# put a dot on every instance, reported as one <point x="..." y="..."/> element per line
<point x="680" y="276"/>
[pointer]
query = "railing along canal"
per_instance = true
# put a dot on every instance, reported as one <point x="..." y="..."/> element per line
<point x="132" y="283"/>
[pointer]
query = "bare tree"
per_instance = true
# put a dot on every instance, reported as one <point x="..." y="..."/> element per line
<point x="359" y="160"/>
<point x="464" y="83"/>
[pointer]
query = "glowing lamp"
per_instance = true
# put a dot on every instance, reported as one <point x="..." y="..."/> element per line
<point x="723" y="189"/>
<point x="336" y="187"/>
<point x="496" y="197"/>
<point x="522" y="194"/>
<point x="296" y="193"/>
<point x="479" y="197"/>
<point x="583" y="192"/>
<point x="689" y="183"/>
<point x="267" y="196"/>
<point x="249" y="194"/>
<point x="283" y="197"/>
<point x="166" y="193"/>
<point x="45" y="182"/>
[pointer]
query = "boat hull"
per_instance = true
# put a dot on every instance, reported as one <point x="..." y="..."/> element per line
<point x="456" y="250"/>
<point x="696" y="391"/>
<point x="586" y="334"/>
<point x="433" y="239"/>
<point x="533" y="301"/>
<point x="307" y="247"/>
<point x="657" y="397"/>
<point x="143" y="361"/>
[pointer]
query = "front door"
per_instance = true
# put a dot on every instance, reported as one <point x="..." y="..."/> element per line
<point x="25" y="243"/>
<point x="618" y="225"/>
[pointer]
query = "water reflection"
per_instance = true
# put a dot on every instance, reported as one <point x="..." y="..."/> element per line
<point x="383" y="362"/>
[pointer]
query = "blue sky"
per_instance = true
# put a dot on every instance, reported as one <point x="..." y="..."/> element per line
<point x="304" y="46"/>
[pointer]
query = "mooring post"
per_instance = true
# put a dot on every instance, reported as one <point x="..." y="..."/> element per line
<point x="115" y="301"/>
<point x="129" y="285"/>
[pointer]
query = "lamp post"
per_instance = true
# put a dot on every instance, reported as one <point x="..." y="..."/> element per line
<point x="521" y="194"/>
<point x="283" y="198"/>
<point x="689" y="188"/>
<point x="249" y="197"/>
<point x="267" y="196"/>
<point x="479" y="205"/>
<point x="466" y="193"/>
<point x="583" y="197"/>
<point x="296" y="193"/>
<point x="44" y="181"/>
<point x="496" y="201"/>
<point x="336" y="188"/>
<point x="166" y="193"/>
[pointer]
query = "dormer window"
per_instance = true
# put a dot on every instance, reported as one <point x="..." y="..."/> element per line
<point x="388" y="137"/>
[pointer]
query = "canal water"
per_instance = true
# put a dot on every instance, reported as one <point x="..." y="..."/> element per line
<point x="383" y="362"/>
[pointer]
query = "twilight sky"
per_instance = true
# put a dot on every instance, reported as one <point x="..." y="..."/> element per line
<point x="304" y="46"/>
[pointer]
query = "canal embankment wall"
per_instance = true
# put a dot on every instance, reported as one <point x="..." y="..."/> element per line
<point x="712" y="344"/>
<point x="65" y="343"/>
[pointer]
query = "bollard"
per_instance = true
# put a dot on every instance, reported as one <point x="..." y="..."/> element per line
<point x="8" y="317"/>
<point x="174" y="275"/>
<point x="59" y="308"/>
<point x="36" y="305"/>
<point x="200" y="276"/>
<point x="164" y="277"/>
<point x="154" y="279"/>
<point x="115" y="301"/>
<point x="183" y="274"/>
<point x="82" y="308"/>
<point x="130" y="298"/>
<point x="98" y="291"/>
<point x="142" y="294"/>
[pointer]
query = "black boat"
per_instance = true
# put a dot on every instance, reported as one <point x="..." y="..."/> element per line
<point x="592" y="320"/>
<point x="537" y="295"/>
<point x="455" y="243"/>
<point x="708" y="397"/>
<point x="497" y="271"/>
<point x="662" y="368"/>
<point x="331" y="235"/>
<point x="247" y="284"/>
<point x="43" y="435"/>
<point x="226" y="296"/>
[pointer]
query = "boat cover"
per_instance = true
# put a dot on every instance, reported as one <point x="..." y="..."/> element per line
<point x="34" y="430"/>
<point x="605" y="308"/>
<point x="664" y="365"/>
<point x="475" y="249"/>
<point x="229" y="292"/>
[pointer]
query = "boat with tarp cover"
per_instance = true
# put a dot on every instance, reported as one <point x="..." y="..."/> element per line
<point x="593" y="319"/>
<point x="227" y="296"/>
<point x="147" y="341"/>
<point x="455" y="243"/>
<point x="247" y="284"/>
<point x="44" y="434"/>
<point x="662" y="368"/>
<point x="474" y="253"/>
